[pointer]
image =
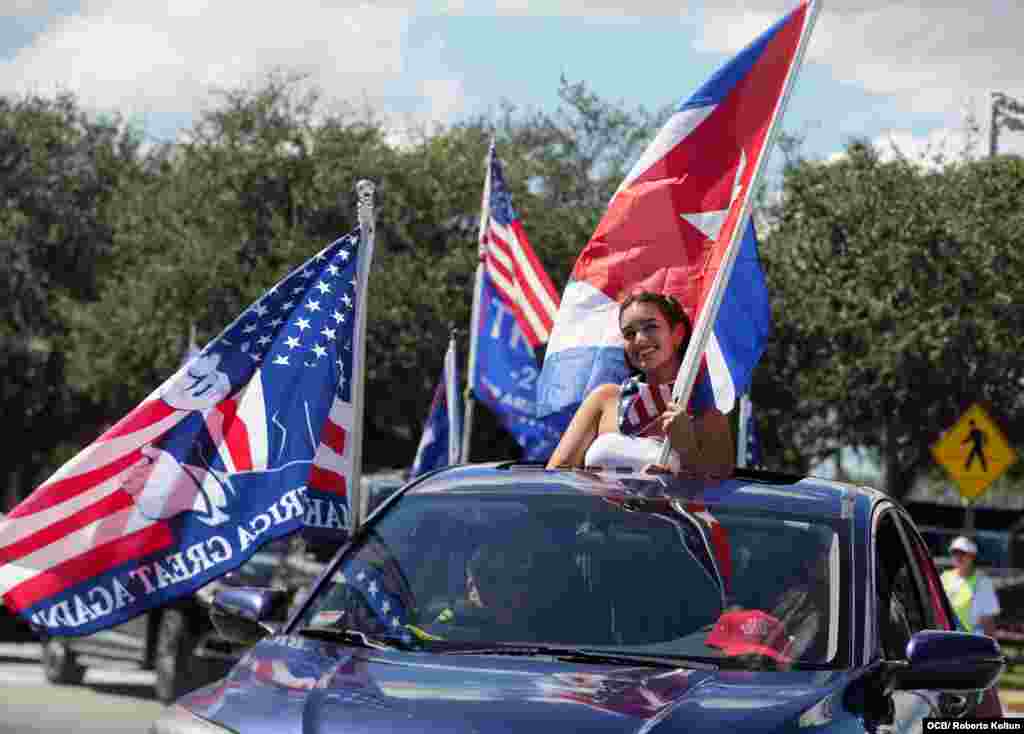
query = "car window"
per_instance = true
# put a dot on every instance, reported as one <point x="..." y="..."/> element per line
<point x="937" y="616"/>
<point x="642" y="577"/>
<point x="900" y="608"/>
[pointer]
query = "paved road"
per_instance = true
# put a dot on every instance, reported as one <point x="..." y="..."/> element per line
<point x="109" y="701"/>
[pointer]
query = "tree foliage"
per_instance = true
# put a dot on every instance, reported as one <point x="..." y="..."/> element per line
<point x="60" y="176"/>
<point x="896" y="291"/>
<point x="895" y="288"/>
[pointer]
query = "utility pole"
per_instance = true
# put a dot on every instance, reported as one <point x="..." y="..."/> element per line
<point x="993" y="126"/>
<point x="1006" y="113"/>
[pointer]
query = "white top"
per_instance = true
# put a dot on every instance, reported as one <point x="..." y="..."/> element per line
<point x="984" y="604"/>
<point x="614" y="449"/>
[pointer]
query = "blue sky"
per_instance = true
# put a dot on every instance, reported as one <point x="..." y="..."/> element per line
<point x="900" y="71"/>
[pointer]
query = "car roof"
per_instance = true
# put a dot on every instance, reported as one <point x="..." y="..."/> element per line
<point x="748" y="488"/>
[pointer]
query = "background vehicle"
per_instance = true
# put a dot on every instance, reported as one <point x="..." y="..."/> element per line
<point x="807" y="604"/>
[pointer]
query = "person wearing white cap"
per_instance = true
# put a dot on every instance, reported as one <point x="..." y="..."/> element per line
<point x="969" y="590"/>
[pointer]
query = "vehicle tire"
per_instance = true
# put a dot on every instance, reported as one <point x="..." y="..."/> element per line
<point x="172" y="660"/>
<point x="59" y="664"/>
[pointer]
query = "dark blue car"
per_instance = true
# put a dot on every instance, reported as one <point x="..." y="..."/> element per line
<point x="513" y="598"/>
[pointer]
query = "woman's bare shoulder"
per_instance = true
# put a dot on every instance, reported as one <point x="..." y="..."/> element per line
<point x="608" y="390"/>
<point x="603" y="395"/>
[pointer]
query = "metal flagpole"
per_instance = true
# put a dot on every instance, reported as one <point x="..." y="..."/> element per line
<point x="474" y="315"/>
<point x="359" y="501"/>
<point x="741" y="431"/>
<point x="451" y="387"/>
<point x="687" y="375"/>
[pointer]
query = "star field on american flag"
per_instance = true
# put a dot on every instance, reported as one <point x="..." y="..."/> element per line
<point x="304" y="322"/>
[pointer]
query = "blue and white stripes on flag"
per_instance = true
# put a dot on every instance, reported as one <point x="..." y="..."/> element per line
<point x="673" y="225"/>
<point x="441" y="440"/>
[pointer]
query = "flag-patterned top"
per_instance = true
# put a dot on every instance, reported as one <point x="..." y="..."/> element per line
<point x="215" y="462"/>
<point x="513" y="266"/>
<point x="640" y="404"/>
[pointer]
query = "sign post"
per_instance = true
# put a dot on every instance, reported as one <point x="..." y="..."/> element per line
<point x="974" y="452"/>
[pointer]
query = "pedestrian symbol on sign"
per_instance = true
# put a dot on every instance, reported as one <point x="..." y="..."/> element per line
<point x="976" y="437"/>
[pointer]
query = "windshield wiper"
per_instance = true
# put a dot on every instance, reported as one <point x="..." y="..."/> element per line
<point x="352" y="637"/>
<point x="576" y="655"/>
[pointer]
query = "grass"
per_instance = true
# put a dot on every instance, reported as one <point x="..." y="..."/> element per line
<point x="1013" y="678"/>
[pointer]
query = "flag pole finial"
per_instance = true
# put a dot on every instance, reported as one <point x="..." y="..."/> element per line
<point x="365" y="190"/>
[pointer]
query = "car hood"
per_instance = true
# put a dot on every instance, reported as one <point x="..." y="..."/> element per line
<point x="292" y="684"/>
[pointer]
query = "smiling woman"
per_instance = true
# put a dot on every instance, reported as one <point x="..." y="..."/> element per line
<point x="625" y="425"/>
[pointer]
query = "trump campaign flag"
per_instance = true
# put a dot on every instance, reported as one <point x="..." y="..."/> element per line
<point x="514" y="308"/>
<point x="673" y="227"/>
<point x="224" y="456"/>
<point x="440" y="443"/>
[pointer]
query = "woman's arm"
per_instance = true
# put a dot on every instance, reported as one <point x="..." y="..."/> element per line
<point x="716" y="453"/>
<point x="704" y="443"/>
<point x="584" y="427"/>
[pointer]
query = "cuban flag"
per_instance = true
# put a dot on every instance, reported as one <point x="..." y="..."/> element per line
<point x="225" y="456"/>
<point x="670" y="227"/>
<point x="515" y="308"/>
<point x="440" y="443"/>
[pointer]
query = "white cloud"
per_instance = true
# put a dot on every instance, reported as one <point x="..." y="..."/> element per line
<point x="25" y="8"/>
<point x="928" y="55"/>
<point x="445" y="97"/>
<point x="146" y="57"/>
<point x="934" y="148"/>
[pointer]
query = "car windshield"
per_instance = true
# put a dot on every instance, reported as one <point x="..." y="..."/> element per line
<point x="636" y="576"/>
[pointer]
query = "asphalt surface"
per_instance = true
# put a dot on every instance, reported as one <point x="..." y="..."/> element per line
<point x="109" y="701"/>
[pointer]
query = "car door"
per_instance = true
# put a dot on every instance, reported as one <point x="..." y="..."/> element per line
<point x="939" y="615"/>
<point x="900" y="611"/>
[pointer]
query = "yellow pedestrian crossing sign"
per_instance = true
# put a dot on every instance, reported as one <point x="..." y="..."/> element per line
<point x="974" y="452"/>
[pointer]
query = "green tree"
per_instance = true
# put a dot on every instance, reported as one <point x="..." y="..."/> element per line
<point x="894" y="293"/>
<point x="60" y="174"/>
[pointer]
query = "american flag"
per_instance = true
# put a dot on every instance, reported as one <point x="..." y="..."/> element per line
<point x="215" y="462"/>
<point x="518" y="276"/>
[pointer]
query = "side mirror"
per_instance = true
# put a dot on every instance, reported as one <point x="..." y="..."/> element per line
<point x="949" y="661"/>
<point x="246" y="614"/>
